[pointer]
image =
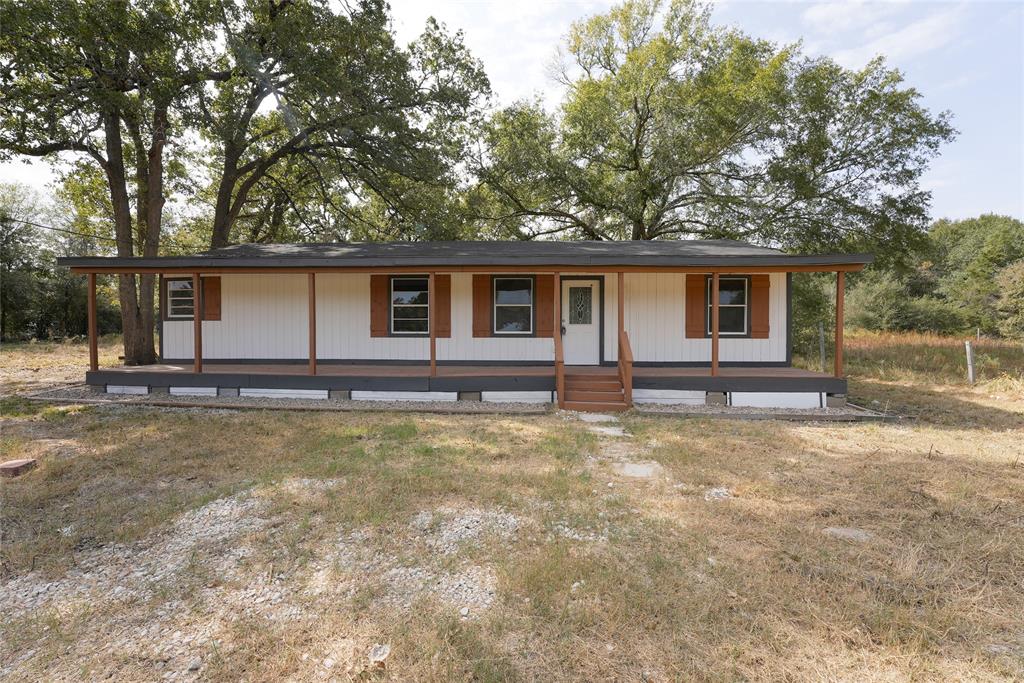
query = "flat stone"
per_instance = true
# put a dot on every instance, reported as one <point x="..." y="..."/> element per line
<point x="718" y="493"/>
<point x="597" y="417"/>
<point x="849" y="533"/>
<point x="639" y="470"/>
<point x="607" y="431"/>
<point x="379" y="652"/>
<point x="15" y="468"/>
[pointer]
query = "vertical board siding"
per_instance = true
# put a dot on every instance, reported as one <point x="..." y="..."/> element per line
<point x="656" y="323"/>
<point x="264" y="316"/>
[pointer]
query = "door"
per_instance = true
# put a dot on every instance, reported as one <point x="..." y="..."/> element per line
<point x="581" y="321"/>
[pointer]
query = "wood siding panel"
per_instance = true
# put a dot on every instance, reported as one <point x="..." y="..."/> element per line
<point x="443" y="305"/>
<point x="696" y="298"/>
<point x="481" y="305"/>
<point x="380" y="292"/>
<point x="545" y="303"/>
<point x="760" y="286"/>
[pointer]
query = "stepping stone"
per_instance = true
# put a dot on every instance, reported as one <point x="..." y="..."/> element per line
<point x="608" y="431"/>
<point x="717" y="493"/>
<point x="597" y="417"/>
<point x="16" y="468"/>
<point x="639" y="470"/>
<point x="849" y="533"/>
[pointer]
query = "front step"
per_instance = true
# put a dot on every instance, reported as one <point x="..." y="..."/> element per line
<point x="595" y="407"/>
<point x="594" y="393"/>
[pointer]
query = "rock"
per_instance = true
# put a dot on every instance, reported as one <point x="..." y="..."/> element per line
<point x="195" y="664"/>
<point x="379" y="652"/>
<point x="464" y="611"/>
<point x="639" y="470"/>
<point x="611" y="485"/>
<point x="328" y="663"/>
<point x="597" y="417"/>
<point x="718" y="493"/>
<point x="849" y="533"/>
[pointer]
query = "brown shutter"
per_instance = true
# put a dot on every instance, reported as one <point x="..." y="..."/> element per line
<point x="379" y="286"/>
<point x="545" y="302"/>
<point x="163" y="298"/>
<point x="443" y="305"/>
<point x="481" y="305"/>
<point x="695" y="304"/>
<point x="759" y="306"/>
<point x="211" y="298"/>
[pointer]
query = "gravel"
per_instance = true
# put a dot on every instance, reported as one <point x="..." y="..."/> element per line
<point x="682" y="409"/>
<point x="85" y="395"/>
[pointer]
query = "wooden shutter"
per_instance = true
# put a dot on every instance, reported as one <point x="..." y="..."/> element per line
<point x="443" y="305"/>
<point x="163" y="298"/>
<point x="379" y="294"/>
<point x="696" y="303"/>
<point x="481" y="305"/>
<point x="544" y="300"/>
<point x="211" y="298"/>
<point x="759" y="285"/>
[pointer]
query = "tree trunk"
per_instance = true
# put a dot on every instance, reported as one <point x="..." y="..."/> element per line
<point x="138" y="337"/>
<point x="222" y="210"/>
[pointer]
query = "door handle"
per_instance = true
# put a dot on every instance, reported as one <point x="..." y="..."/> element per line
<point x="563" y="328"/>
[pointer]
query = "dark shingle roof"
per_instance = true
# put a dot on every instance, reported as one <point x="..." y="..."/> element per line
<point x="464" y="253"/>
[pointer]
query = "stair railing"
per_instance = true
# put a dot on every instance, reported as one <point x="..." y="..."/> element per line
<point x="559" y="371"/>
<point x="626" y="368"/>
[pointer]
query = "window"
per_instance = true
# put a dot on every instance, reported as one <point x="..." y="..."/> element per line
<point x="513" y="305"/>
<point x="732" y="305"/>
<point x="410" y="305"/>
<point x="181" y="302"/>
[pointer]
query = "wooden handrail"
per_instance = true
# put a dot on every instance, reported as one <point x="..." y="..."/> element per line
<point x="557" y="334"/>
<point x="626" y="367"/>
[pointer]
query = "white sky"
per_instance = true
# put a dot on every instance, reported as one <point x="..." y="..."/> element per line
<point x="966" y="57"/>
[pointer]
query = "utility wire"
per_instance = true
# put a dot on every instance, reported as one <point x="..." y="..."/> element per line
<point x="164" y="241"/>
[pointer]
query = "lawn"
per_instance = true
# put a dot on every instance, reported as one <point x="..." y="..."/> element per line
<point x="262" y="545"/>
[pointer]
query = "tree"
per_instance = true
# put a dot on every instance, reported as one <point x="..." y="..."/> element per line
<point x="672" y="127"/>
<point x="322" y="105"/>
<point x="107" y="81"/>
<point x="20" y="242"/>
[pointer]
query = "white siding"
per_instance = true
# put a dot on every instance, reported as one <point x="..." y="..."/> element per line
<point x="264" y="316"/>
<point x="655" y="322"/>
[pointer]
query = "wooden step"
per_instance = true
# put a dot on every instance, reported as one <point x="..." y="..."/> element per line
<point x="572" y="394"/>
<point x="595" y="407"/>
<point x="604" y="385"/>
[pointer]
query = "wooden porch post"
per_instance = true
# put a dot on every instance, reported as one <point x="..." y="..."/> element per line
<point x="714" y="324"/>
<point x="557" y="331"/>
<point x="432" y="323"/>
<point x="311" y="289"/>
<point x="94" y="354"/>
<point x="840" y="291"/>
<point x="197" y="323"/>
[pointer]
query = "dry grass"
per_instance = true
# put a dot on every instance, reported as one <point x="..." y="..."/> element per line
<point x="668" y="585"/>
<point x="34" y="365"/>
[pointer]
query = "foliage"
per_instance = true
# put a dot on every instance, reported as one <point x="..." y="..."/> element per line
<point x="673" y="127"/>
<point x="966" y="278"/>
<point x="813" y="297"/>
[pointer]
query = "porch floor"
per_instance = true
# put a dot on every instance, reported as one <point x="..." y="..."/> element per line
<point x="389" y="370"/>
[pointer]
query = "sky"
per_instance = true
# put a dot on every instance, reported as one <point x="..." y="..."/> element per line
<point x="964" y="57"/>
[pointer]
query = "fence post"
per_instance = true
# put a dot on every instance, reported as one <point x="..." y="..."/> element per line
<point x="821" y="344"/>
<point x="970" y="361"/>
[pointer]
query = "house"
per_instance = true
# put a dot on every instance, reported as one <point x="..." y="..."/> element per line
<point x="589" y="325"/>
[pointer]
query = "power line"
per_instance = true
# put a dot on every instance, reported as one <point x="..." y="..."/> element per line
<point x="165" y="240"/>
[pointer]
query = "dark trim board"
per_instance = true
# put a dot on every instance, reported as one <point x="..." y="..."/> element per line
<point x="830" y="385"/>
<point x="358" y="383"/>
<point x="704" y="364"/>
<point x="363" y="361"/>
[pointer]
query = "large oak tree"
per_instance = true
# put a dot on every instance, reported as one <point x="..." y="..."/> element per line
<point x="672" y="127"/>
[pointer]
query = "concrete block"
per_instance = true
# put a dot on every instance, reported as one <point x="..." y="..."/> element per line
<point x="340" y="394"/>
<point x="97" y="388"/>
<point x="470" y="395"/>
<point x="715" y="398"/>
<point x="227" y="391"/>
<point x="835" y="401"/>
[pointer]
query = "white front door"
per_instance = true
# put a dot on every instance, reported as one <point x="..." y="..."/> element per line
<point x="581" y="321"/>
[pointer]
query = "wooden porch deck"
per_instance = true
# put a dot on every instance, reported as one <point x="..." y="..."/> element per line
<point x="328" y="369"/>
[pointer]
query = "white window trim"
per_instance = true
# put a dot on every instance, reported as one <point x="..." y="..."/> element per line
<point x="495" y="305"/>
<point x="171" y="315"/>
<point x="745" y="306"/>
<point x="392" y="305"/>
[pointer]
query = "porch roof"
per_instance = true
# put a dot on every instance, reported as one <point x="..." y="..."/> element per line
<point x="540" y="254"/>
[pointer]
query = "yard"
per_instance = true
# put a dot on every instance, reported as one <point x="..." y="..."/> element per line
<point x="261" y="545"/>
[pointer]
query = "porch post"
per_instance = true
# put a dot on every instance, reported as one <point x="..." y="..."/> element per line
<point x="311" y="289"/>
<point x="714" y="324"/>
<point x="432" y="323"/>
<point x="94" y="354"/>
<point x="197" y="323"/>
<point x="622" y="303"/>
<point x="557" y="332"/>
<point x="840" y="291"/>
